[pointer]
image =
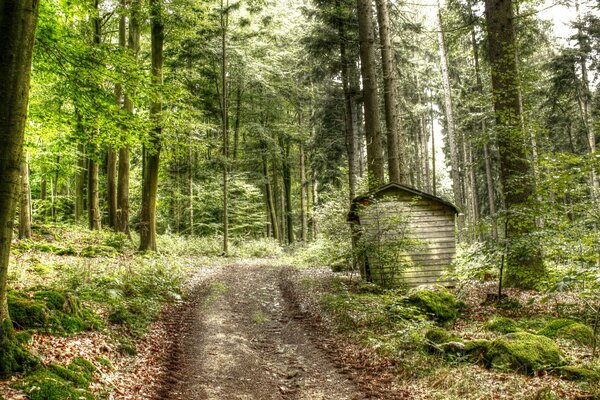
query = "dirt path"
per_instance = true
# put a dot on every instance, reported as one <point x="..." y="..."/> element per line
<point x="240" y="340"/>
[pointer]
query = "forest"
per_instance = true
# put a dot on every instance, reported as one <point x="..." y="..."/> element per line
<point x="312" y="199"/>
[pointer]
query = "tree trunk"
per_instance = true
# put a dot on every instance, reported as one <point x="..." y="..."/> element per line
<point x="270" y="203"/>
<point x="152" y="159"/>
<point x="111" y="183"/>
<point x="124" y="163"/>
<point x="287" y="192"/>
<point x="524" y="264"/>
<point x="93" y="196"/>
<point x="375" y="167"/>
<point x="454" y="162"/>
<point x="25" y="204"/>
<point x="395" y="145"/>
<point x="349" y="123"/>
<point x="303" y="195"/>
<point x="17" y="26"/>
<point x="225" y="125"/>
<point x="80" y="178"/>
<point x="236" y="126"/>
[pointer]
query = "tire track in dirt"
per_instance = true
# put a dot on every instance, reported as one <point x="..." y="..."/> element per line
<point x="239" y="339"/>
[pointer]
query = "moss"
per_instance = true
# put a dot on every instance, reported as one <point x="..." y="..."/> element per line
<point x="98" y="251"/>
<point x="501" y="325"/>
<point x="44" y="384"/>
<point x="523" y="352"/>
<point x="13" y="358"/>
<point x="54" y="299"/>
<point x="72" y="324"/>
<point x="575" y="373"/>
<point x="78" y="379"/>
<point x="128" y="348"/>
<point x="438" y="303"/>
<point x="570" y="329"/>
<point x="578" y="332"/>
<point x="477" y="349"/>
<point x="551" y="329"/>
<point x="439" y="335"/>
<point x="27" y="313"/>
<point x="104" y="362"/>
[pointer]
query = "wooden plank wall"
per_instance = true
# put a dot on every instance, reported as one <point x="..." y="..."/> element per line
<point x="425" y="226"/>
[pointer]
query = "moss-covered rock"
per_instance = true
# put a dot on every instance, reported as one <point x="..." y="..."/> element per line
<point x="13" y="357"/>
<point x="68" y="374"/>
<point x="438" y="335"/>
<point x="575" y="373"/>
<point x="54" y="299"/>
<point x="501" y="325"/>
<point x="436" y="302"/>
<point x="523" y="352"/>
<point x="570" y="329"/>
<point x="27" y="313"/>
<point x="477" y="349"/>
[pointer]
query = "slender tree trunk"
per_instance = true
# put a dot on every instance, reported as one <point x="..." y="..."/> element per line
<point x="17" y="26"/>
<point x="349" y="123"/>
<point x="80" y="178"/>
<point x="225" y="123"/>
<point x="236" y="126"/>
<point x="375" y="164"/>
<point x="395" y="145"/>
<point x="269" y="201"/>
<point x="433" y="166"/>
<point x="25" y="203"/>
<point x="152" y="159"/>
<point x="93" y="196"/>
<point x="303" y="195"/>
<point x="133" y="41"/>
<point x="111" y="183"/>
<point x="315" y="204"/>
<point x="287" y="192"/>
<point x="454" y="161"/>
<point x="524" y="264"/>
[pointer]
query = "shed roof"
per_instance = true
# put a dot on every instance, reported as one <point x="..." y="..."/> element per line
<point x="380" y="191"/>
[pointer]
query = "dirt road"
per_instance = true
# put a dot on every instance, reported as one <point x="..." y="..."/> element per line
<point x="241" y="340"/>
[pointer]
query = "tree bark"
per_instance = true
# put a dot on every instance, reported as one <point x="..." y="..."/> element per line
<point x="397" y="168"/>
<point x="375" y="164"/>
<point x="152" y="159"/>
<point x="80" y="178"/>
<point x="287" y="191"/>
<point x="25" y="203"/>
<point x="93" y="196"/>
<point x="349" y="123"/>
<point x="524" y="264"/>
<point x="18" y="21"/>
<point x="303" y="195"/>
<point x="454" y="161"/>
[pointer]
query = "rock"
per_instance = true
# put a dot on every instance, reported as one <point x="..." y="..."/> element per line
<point x="437" y="302"/>
<point x="453" y="347"/>
<point x="523" y="352"/>
<point x="501" y="325"/>
<point x="574" y="373"/>
<point x="477" y="349"/>
<point x="569" y="329"/>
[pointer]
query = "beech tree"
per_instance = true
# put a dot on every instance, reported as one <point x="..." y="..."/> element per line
<point x="18" y="21"/>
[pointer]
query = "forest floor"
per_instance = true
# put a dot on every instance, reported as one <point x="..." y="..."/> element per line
<point x="244" y="336"/>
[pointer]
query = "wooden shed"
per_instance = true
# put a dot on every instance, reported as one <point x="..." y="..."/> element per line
<point x="404" y="236"/>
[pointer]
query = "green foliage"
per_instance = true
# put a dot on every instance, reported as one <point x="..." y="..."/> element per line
<point x="25" y="245"/>
<point x="98" y="251"/>
<point x="127" y="348"/>
<point x="502" y="325"/>
<point x="524" y="352"/>
<point x="438" y="303"/>
<point x="67" y="374"/>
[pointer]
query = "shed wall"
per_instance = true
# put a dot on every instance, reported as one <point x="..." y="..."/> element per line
<point x="423" y="227"/>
